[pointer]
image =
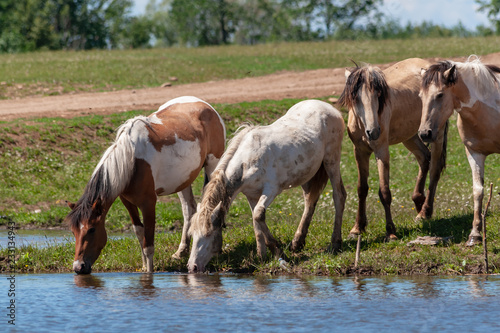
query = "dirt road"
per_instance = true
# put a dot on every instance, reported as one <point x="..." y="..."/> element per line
<point x="308" y="84"/>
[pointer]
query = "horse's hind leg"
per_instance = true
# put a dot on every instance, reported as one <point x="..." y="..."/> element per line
<point x="188" y="209"/>
<point x="137" y="226"/>
<point x="339" y="197"/>
<point x="311" y="192"/>
<point x="423" y="156"/>
<point x="209" y="167"/>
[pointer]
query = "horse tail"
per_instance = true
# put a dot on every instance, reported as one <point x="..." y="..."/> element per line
<point x="233" y="145"/>
<point x="445" y="145"/>
<point x="117" y="164"/>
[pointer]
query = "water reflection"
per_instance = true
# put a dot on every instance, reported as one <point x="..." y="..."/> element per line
<point x="231" y="303"/>
<point x="88" y="281"/>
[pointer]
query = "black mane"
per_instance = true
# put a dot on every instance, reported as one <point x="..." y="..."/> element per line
<point x="95" y="190"/>
<point x="375" y="81"/>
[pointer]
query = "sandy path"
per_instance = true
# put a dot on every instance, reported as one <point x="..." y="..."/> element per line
<point x="308" y="84"/>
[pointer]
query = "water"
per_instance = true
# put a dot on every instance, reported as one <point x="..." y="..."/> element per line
<point x="45" y="237"/>
<point x="167" y="302"/>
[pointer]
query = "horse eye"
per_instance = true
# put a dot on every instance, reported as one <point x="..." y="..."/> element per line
<point x="91" y="231"/>
<point x="439" y="95"/>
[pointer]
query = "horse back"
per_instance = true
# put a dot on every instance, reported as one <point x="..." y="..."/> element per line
<point x="176" y="141"/>
<point x="191" y="120"/>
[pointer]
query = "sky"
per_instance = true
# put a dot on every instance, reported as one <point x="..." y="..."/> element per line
<point x="441" y="12"/>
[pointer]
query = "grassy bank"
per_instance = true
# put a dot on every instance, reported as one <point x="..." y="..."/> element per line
<point x="52" y="73"/>
<point x="47" y="161"/>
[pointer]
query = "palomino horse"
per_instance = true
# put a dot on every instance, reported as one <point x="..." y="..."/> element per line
<point x="301" y="148"/>
<point x="385" y="109"/>
<point x="473" y="90"/>
<point x="151" y="156"/>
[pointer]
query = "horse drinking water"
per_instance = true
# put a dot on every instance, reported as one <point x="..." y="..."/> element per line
<point x="301" y="148"/>
<point x="151" y="156"/>
<point x="385" y="109"/>
<point x="473" y="90"/>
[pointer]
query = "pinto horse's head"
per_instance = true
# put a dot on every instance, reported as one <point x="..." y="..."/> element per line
<point x="365" y="94"/>
<point x="87" y="224"/>
<point x="438" y="99"/>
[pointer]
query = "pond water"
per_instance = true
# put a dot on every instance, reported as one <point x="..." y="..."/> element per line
<point x="167" y="302"/>
<point x="46" y="237"/>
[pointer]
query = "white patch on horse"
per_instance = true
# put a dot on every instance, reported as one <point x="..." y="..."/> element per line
<point x="481" y="85"/>
<point x="76" y="265"/>
<point x="183" y="99"/>
<point x="167" y="173"/>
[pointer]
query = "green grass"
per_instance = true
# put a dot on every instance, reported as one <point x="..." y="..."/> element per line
<point x="49" y="73"/>
<point x="47" y="161"/>
<point x="50" y="160"/>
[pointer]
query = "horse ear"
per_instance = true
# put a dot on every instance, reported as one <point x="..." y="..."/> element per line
<point x="422" y="71"/>
<point x="70" y="205"/>
<point x="215" y="218"/>
<point x="450" y="74"/>
<point x="347" y="73"/>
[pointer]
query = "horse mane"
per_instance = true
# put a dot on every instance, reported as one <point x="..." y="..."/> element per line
<point x="111" y="175"/>
<point x="375" y="81"/>
<point x="482" y="76"/>
<point x="216" y="191"/>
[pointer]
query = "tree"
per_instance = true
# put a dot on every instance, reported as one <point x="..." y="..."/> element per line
<point x="492" y="7"/>
<point x="202" y="22"/>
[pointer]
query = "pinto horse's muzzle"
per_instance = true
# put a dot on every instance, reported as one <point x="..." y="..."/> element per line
<point x="80" y="267"/>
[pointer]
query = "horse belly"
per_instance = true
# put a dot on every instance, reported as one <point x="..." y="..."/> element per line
<point x="176" y="166"/>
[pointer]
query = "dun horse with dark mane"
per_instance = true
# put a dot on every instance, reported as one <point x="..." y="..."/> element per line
<point x="473" y="90"/>
<point x="385" y="109"/>
<point x="151" y="156"/>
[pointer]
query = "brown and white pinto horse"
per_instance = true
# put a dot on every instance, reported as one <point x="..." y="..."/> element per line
<point x="151" y="156"/>
<point x="385" y="109"/>
<point x="473" y="90"/>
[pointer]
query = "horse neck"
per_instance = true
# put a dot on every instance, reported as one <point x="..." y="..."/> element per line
<point x="476" y="84"/>
<point x="115" y="169"/>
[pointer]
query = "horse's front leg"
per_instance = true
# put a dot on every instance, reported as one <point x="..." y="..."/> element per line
<point x="476" y="162"/>
<point x="148" y="247"/>
<point x="188" y="209"/>
<point x="362" y="162"/>
<point x="137" y="226"/>
<point x="263" y="236"/>
<point x="438" y="163"/>
<point x="382" y="156"/>
<point x="423" y="156"/>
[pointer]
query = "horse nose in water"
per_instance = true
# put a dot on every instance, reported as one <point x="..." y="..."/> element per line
<point x="81" y="268"/>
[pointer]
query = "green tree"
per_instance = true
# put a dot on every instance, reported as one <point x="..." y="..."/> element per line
<point x="202" y="22"/>
<point x="492" y="8"/>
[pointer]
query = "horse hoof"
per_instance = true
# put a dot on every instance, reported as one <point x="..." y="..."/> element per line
<point x="474" y="240"/>
<point x="296" y="247"/>
<point x="180" y="254"/>
<point x="391" y="238"/>
<point x="334" y="248"/>
<point x="353" y="235"/>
